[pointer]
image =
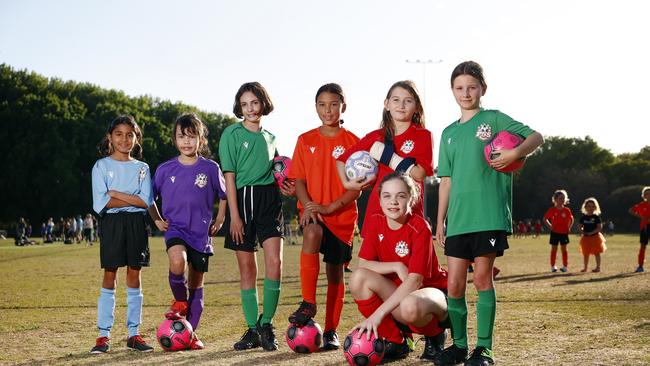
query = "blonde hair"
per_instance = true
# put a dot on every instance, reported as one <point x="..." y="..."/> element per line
<point x="644" y="190"/>
<point x="557" y="193"/>
<point x="592" y="200"/>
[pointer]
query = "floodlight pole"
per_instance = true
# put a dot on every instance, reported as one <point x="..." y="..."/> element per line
<point x="427" y="180"/>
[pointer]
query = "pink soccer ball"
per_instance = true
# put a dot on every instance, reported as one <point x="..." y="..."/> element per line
<point x="361" y="351"/>
<point x="504" y="140"/>
<point x="305" y="339"/>
<point x="174" y="335"/>
<point x="281" y="166"/>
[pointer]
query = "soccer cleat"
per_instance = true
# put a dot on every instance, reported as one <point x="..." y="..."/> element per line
<point x="331" y="340"/>
<point x="451" y="355"/>
<point x="481" y="356"/>
<point x="564" y="269"/>
<point x="102" y="345"/>
<point x="177" y="310"/>
<point x="267" y="335"/>
<point x="639" y="269"/>
<point x="554" y="269"/>
<point x="250" y="339"/>
<point x="396" y="351"/>
<point x="136" y="343"/>
<point x="306" y="311"/>
<point x="196" y="343"/>
<point x="433" y="345"/>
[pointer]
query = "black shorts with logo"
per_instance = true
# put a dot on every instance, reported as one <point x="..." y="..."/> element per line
<point x="123" y="240"/>
<point x="199" y="261"/>
<point x="334" y="250"/>
<point x="471" y="245"/>
<point x="260" y="208"/>
<point x="556" y="239"/>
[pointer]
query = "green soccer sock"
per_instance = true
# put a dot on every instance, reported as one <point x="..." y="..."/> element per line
<point x="486" y="310"/>
<point x="457" y="308"/>
<point x="271" y="298"/>
<point x="249" y="304"/>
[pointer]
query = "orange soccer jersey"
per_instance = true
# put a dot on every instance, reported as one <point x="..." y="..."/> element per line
<point x="642" y="209"/>
<point x="560" y="219"/>
<point x="314" y="161"/>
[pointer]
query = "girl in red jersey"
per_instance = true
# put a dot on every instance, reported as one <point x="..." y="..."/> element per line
<point x="592" y="241"/>
<point x="401" y="144"/>
<point x="328" y="212"/>
<point x="559" y="220"/>
<point x="398" y="282"/>
<point x="642" y="211"/>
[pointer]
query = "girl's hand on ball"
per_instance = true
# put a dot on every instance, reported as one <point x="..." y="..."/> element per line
<point x="503" y="158"/>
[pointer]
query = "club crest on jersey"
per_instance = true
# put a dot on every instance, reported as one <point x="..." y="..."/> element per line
<point x="142" y="174"/>
<point x="402" y="249"/>
<point x="381" y="237"/>
<point x="312" y="149"/>
<point x="338" y="151"/>
<point x="484" y="132"/>
<point x="172" y="178"/>
<point x="201" y="180"/>
<point x="407" y="146"/>
<point x="245" y="144"/>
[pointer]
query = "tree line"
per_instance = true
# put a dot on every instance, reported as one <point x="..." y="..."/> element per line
<point x="50" y="129"/>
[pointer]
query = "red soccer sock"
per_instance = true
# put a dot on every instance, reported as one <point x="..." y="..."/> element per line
<point x="565" y="257"/>
<point x="335" y="295"/>
<point x="387" y="328"/>
<point x="641" y="255"/>
<point x="309" y="268"/>
<point x="553" y="256"/>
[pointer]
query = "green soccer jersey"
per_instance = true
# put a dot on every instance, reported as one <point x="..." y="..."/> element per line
<point x="247" y="154"/>
<point x="481" y="197"/>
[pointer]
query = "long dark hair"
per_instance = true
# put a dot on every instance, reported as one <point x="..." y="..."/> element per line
<point x="191" y="124"/>
<point x="387" y="123"/>
<point x="258" y="90"/>
<point x="104" y="146"/>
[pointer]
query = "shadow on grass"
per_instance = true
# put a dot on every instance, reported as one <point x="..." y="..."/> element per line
<point x="568" y="276"/>
<point x="47" y="254"/>
<point x="256" y="357"/>
<point x="595" y="279"/>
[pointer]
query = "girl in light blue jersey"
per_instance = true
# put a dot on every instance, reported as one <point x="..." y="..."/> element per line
<point x="121" y="196"/>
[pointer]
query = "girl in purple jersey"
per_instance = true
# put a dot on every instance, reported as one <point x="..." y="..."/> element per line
<point x="188" y="185"/>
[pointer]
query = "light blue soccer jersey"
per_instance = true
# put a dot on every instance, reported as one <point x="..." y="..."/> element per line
<point x="131" y="177"/>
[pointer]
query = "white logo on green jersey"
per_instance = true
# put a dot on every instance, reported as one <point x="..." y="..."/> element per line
<point x="484" y="132"/>
<point x="245" y="144"/>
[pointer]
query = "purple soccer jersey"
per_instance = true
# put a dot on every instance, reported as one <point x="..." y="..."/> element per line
<point x="188" y="194"/>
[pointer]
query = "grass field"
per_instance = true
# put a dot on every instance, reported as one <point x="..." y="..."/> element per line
<point x="48" y="309"/>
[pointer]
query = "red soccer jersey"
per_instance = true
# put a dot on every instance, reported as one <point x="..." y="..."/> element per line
<point x="415" y="142"/>
<point x="314" y="161"/>
<point x="412" y="244"/>
<point x="642" y="209"/>
<point x="559" y="218"/>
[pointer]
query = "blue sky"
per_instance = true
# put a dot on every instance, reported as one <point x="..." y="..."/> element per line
<point x="570" y="68"/>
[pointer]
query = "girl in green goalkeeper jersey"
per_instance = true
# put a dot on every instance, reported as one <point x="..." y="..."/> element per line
<point x="476" y="201"/>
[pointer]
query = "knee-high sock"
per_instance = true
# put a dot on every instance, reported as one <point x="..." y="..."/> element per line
<point x="178" y="286"/>
<point x="271" y="299"/>
<point x="641" y="257"/>
<point x="309" y="269"/>
<point x="565" y="256"/>
<point x="457" y="308"/>
<point x="249" y="304"/>
<point x="133" y="310"/>
<point x="486" y="309"/>
<point x="387" y="328"/>
<point x="105" y="311"/>
<point x="553" y="255"/>
<point x="196" y="307"/>
<point x="335" y="294"/>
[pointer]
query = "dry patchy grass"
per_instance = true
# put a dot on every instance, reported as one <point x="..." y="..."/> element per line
<point x="48" y="309"/>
